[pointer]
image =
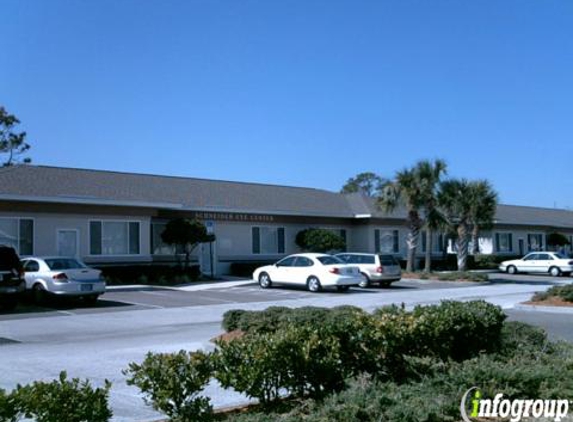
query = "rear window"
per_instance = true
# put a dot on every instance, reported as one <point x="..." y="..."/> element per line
<point x="387" y="260"/>
<point x="64" y="264"/>
<point x="329" y="260"/>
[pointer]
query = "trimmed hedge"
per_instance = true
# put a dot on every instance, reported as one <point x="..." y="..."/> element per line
<point x="246" y="269"/>
<point x="150" y="274"/>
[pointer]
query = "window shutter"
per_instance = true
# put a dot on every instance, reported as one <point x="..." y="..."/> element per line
<point x="377" y="240"/>
<point x="95" y="238"/>
<point x="134" y="238"/>
<point x="396" y="241"/>
<point x="256" y="240"/>
<point x="497" y="246"/>
<point x="510" y="240"/>
<point x="281" y="240"/>
<point x="424" y="241"/>
<point x="26" y="241"/>
<point x="343" y="235"/>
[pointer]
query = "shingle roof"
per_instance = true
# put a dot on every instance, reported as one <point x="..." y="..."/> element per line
<point x="67" y="184"/>
<point x="56" y="184"/>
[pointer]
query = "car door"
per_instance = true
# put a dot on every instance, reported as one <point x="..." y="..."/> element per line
<point x="31" y="269"/>
<point x="544" y="262"/>
<point x="527" y="264"/>
<point x="282" y="272"/>
<point x="301" y="270"/>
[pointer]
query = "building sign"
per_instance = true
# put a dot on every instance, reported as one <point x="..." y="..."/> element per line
<point x="240" y="217"/>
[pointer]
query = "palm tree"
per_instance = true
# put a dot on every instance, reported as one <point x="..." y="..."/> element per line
<point x="430" y="174"/>
<point x="465" y="205"/>
<point x="416" y="189"/>
<point x="484" y="201"/>
<point x="456" y="205"/>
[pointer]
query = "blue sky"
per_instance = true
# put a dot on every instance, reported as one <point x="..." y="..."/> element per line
<point x="297" y="92"/>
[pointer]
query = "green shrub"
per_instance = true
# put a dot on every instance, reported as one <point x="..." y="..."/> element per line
<point x="457" y="330"/>
<point x="172" y="382"/>
<point x="518" y="337"/>
<point x="296" y="361"/>
<point x="246" y="269"/>
<point x="463" y="275"/>
<point x="63" y="400"/>
<point x="9" y="409"/>
<point x="150" y="274"/>
<point x="564" y="292"/>
<point x="231" y="319"/>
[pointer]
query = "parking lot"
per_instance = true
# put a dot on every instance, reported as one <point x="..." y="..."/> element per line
<point x="118" y="299"/>
<point x="140" y="298"/>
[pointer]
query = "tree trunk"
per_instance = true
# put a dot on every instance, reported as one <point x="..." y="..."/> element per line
<point x="475" y="240"/>
<point x="428" y="260"/>
<point x="462" y="244"/>
<point x="412" y="240"/>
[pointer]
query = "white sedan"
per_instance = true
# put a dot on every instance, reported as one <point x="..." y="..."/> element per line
<point x="539" y="262"/>
<point x="312" y="270"/>
<point x="62" y="276"/>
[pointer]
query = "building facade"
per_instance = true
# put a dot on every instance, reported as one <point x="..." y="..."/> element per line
<point x="110" y="218"/>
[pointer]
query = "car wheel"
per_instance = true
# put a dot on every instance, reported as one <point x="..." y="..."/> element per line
<point x="511" y="269"/>
<point x="555" y="271"/>
<point x="385" y="284"/>
<point x="39" y="294"/>
<point x="313" y="284"/>
<point x="265" y="281"/>
<point x="365" y="282"/>
<point x="342" y="288"/>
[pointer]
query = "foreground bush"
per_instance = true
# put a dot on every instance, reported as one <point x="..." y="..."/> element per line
<point x="172" y="382"/>
<point x="61" y="400"/>
<point x="295" y="361"/>
<point x="435" y="395"/>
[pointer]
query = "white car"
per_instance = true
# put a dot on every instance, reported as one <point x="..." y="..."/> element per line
<point x="62" y="276"/>
<point x="313" y="270"/>
<point x="552" y="263"/>
<point x="375" y="268"/>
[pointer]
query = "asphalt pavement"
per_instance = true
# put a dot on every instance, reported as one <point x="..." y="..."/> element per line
<point x="98" y="342"/>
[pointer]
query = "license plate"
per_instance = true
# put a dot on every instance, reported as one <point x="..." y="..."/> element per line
<point x="86" y="288"/>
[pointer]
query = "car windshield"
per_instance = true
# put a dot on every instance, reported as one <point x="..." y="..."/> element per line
<point x="561" y="256"/>
<point x="330" y="260"/>
<point x="64" y="264"/>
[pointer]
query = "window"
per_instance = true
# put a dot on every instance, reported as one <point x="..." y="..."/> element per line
<point x="329" y="260"/>
<point x="287" y="262"/>
<point x="535" y="242"/>
<point x="268" y="240"/>
<point x="386" y="241"/>
<point x="18" y="233"/>
<point x="503" y="242"/>
<point x="31" y="266"/>
<point x="114" y="238"/>
<point x="302" y="261"/>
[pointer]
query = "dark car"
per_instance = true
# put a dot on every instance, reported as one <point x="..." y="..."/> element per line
<point x="12" y="283"/>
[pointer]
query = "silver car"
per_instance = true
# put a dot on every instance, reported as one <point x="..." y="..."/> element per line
<point x="62" y="276"/>
<point x="375" y="268"/>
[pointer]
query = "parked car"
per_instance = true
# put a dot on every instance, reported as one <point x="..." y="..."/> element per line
<point x="552" y="263"/>
<point x="62" y="276"/>
<point x="375" y="268"/>
<point x="12" y="283"/>
<point x="313" y="270"/>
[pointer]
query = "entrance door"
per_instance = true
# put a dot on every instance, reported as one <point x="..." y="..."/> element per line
<point x="67" y="242"/>
<point x="208" y="259"/>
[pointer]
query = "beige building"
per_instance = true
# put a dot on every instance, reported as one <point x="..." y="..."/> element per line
<point x="108" y="217"/>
